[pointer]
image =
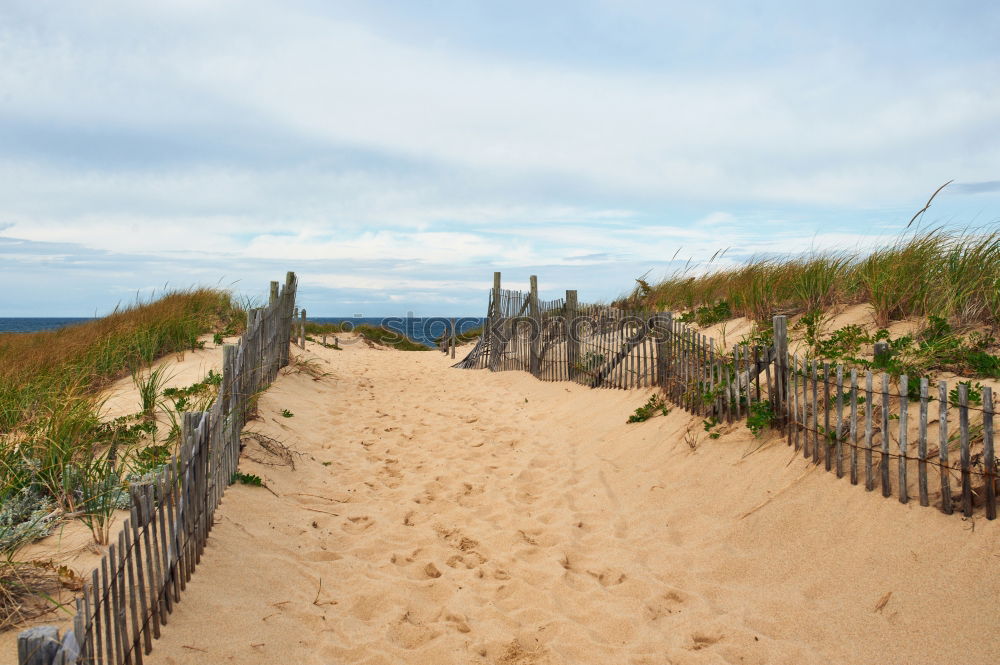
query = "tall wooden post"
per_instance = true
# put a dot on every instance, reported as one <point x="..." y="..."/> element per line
<point x="302" y="330"/>
<point x="492" y="322"/>
<point x="780" y="327"/>
<point x="274" y="294"/>
<point x="287" y="297"/>
<point x="664" y="325"/>
<point x="572" y="334"/>
<point x="534" y="363"/>
<point x="453" y="339"/>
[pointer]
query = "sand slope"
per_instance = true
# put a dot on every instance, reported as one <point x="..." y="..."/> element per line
<point x="441" y="516"/>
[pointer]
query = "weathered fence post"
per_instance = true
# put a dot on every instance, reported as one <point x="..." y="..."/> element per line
<point x="882" y="353"/>
<point x="665" y="325"/>
<point x="454" y="335"/>
<point x="989" y="459"/>
<point x="572" y="333"/>
<point x="780" y="327"/>
<point x="273" y="298"/>
<point x="492" y="321"/>
<point x="302" y="330"/>
<point x="534" y="364"/>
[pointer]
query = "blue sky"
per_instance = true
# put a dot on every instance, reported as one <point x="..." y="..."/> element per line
<point x="395" y="154"/>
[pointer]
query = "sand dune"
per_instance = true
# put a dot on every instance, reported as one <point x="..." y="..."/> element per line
<point x="439" y="516"/>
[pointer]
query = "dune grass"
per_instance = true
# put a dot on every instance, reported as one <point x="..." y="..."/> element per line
<point x="947" y="273"/>
<point x="374" y="334"/>
<point x="461" y="338"/>
<point x="53" y="446"/>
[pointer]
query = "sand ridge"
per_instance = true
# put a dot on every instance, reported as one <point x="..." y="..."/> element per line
<point x="443" y="516"/>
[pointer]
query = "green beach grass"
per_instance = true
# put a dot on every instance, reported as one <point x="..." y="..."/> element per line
<point x="56" y="456"/>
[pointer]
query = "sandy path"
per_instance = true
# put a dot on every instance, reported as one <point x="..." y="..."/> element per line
<point x="442" y="516"/>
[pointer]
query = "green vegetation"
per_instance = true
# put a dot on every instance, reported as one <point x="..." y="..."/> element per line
<point x="56" y="456"/>
<point x="706" y="315"/>
<point x="760" y="418"/>
<point x="653" y="405"/>
<point x="711" y="426"/>
<point x="371" y="334"/>
<point x="952" y="274"/>
<point x="463" y="337"/>
<point x="936" y="347"/>
<point x="386" y="337"/>
<point x="149" y="386"/>
<point x="247" y="479"/>
<point x="285" y="413"/>
<point x="589" y="362"/>
<point x="950" y="279"/>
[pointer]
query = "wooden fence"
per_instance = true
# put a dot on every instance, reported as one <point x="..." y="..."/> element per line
<point x="876" y="429"/>
<point x="130" y="595"/>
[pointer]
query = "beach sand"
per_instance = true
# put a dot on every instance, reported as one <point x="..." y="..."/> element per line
<point x="440" y="516"/>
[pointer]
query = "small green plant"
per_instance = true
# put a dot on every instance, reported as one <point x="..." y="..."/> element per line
<point x="247" y="479"/>
<point x="285" y="413"/>
<point x="974" y="392"/>
<point x="149" y="388"/>
<point x="217" y="339"/>
<point x="149" y="459"/>
<point x="711" y="426"/>
<point x="589" y="362"/>
<point x="196" y="397"/>
<point x="653" y="405"/>
<point x="761" y="416"/>
<point x="98" y="492"/>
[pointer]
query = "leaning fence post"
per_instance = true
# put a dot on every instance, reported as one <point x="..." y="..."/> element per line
<point x="274" y="294"/>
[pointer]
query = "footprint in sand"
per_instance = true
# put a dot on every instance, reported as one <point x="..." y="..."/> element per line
<point x="607" y="577"/>
<point x="410" y="633"/>
<point x="357" y="524"/>
<point x="320" y="555"/>
<point x="665" y="604"/>
<point x="700" y="641"/>
<point x="460" y="623"/>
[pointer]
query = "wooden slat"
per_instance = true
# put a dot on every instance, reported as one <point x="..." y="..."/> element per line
<point x="839" y="441"/>
<point x="827" y="440"/>
<point x="815" y="410"/>
<point x="989" y="455"/>
<point x="131" y="586"/>
<point x="904" y="424"/>
<point x="114" y="621"/>
<point x="869" y="428"/>
<point x="884" y="459"/>
<point x="965" y="458"/>
<point x="922" y="445"/>
<point x="946" y="506"/>
<point x="854" y="426"/>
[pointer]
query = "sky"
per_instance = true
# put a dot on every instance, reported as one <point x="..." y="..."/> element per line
<point x="394" y="154"/>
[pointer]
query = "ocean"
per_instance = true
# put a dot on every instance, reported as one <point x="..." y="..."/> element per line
<point x="423" y="330"/>
<point x="34" y="324"/>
